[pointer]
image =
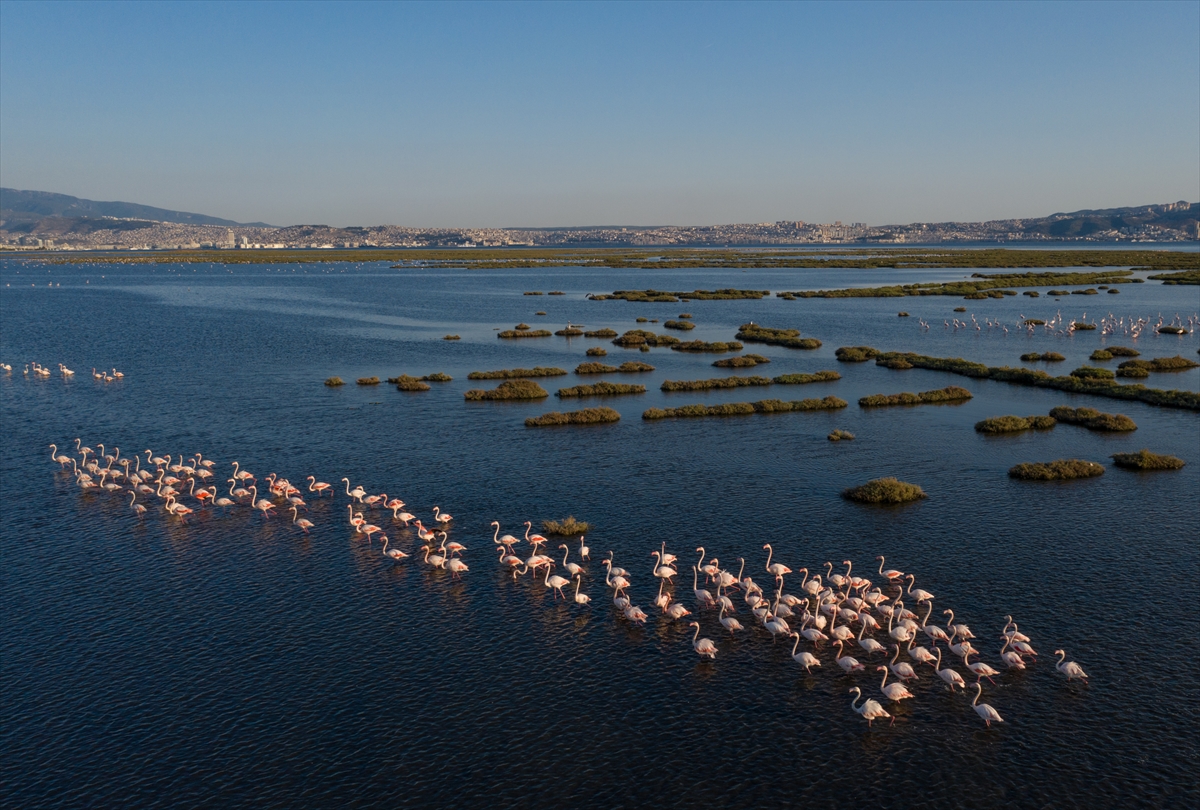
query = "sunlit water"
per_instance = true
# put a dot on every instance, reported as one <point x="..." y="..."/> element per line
<point x="234" y="660"/>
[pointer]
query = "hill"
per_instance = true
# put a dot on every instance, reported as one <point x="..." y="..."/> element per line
<point x="24" y="210"/>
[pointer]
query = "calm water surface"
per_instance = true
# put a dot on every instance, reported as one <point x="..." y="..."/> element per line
<point x="234" y="660"/>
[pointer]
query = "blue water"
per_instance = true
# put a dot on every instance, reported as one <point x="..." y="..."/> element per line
<point x="234" y="660"/>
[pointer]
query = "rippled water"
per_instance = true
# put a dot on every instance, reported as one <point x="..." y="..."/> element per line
<point x="235" y="660"/>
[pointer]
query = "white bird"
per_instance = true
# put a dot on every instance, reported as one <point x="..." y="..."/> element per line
<point x="1069" y="668"/>
<point x="901" y="669"/>
<point x="702" y="594"/>
<point x="846" y="662"/>
<point x="804" y="659"/>
<point x="894" y="692"/>
<point x="703" y="646"/>
<point x="1011" y="659"/>
<point x="980" y="669"/>
<point x="728" y="622"/>
<point x="580" y="598"/>
<point x="986" y="712"/>
<point x="870" y="709"/>
<point x="948" y="675"/>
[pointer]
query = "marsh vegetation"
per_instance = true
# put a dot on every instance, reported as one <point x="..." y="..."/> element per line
<point x="682" y="326"/>
<point x="1015" y="424"/>
<point x="856" y="354"/>
<point x="884" y="490"/>
<point x="597" y="351"/>
<point x="509" y="389"/>
<point x="661" y="296"/>
<point x="765" y="406"/>
<point x="1145" y="460"/>
<point x="804" y="379"/>
<point x="600" y="389"/>
<point x="1047" y="357"/>
<point x="603" y="368"/>
<point x="586" y="416"/>
<point x="515" y="373"/>
<point x="333" y="382"/>
<point x="754" y="333"/>
<point x="1176" y="363"/>
<point x="643" y="337"/>
<point x="706" y="346"/>
<point x="601" y="333"/>
<point x="741" y="361"/>
<point x="367" y="381"/>
<point x="1064" y="469"/>
<point x="952" y="393"/>
<point x="841" y="436"/>
<point x="407" y="383"/>
<point x="716" y="382"/>
<point x="566" y="526"/>
<point x="527" y="332"/>
<point x="1093" y="419"/>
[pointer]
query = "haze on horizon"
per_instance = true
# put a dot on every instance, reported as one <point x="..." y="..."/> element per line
<point x="514" y="114"/>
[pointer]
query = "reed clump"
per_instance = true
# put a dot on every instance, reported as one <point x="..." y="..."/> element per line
<point x="367" y="381"/>
<point x="706" y="346"/>
<point x="1145" y="460"/>
<point x="570" y="331"/>
<point x="744" y="408"/>
<point x="1133" y="372"/>
<point x="586" y="416"/>
<point x="634" y="366"/>
<point x="1059" y="292"/>
<point x="556" y="292"/>
<point x="1114" y="291"/>
<point x="437" y="377"/>
<point x="600" y="389"/>
<point x="1083" y="327"/>
<point x="754" y="333"/>
<point x="1093" y="419"/>
<point x="594" y="368"/>
<point x="1093" y="373"/>
<point x="856" y="354"/>
<point x="451" y="337"/>
<point x="884" y="490"/>
<point x="568" y="525"/>
<point x="1100" y="354"/>
<point x="1064" y="469"/>
<point x="509" y="389"/>
<point x="741" y="361"/>
<point x="601" y="333"/>
<point x="1032" y="293"/>
<point x="539" y="312"/>
<point x="841" y="436"/>
<point x="673" y="297"/>
<point x="533" y="292"/>
<point x="407" y="383"/>
<point x="1176" y="363"/>
<point x="521" y="327"/>
<point x="1123" y="351"/>
<point x="643" y="337"/>
<point x="682" y="326"/>
<point x="597" y="351"/>
<point x="642" y="320"/>
<point x="901" y="314"/>
<point x="897" y="363"/>
<point x="960" y="309"/>
<point x="716" y="382"/>
<point x="804" y="379"/>
<point x="516" y="373"/>
<point x="685" y="314"/>
<point x="523" y="333"/>
<point x="334" y="382"/>
<point x="952" y="393"/>
<point x="1015" y="424"/>
<point x="1088" y="291"/>
<point x="1048" y="357"/>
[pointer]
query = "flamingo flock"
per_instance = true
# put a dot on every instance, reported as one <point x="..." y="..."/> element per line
<point x="38" y="371"/>
<point x="1059" y="326"/>
<point x="838" y="615"/>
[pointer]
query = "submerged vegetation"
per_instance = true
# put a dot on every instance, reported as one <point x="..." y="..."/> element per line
<point x="333" y="382"/>
<point x="1040" y="379"/>
<point x="705" y="346"/>
<point x="568" y="525"/>
<point x="600" y="389"/>
<point x="509" y="389"/>
<point x="1145" y="460"/>
<point x="661" y="296"/>
<point x="753" y="333"/>
<point x="952" y="393"/>
<point x="745" y="408"/>
<point x="884" y="490"/>
<point x="803" y="379"/>
<point x="716" y="382"/>
<point x="587" y="416"/>
<point x="856" y="354"/>
<point x="741" y="361"/>
<point x="1048" y="357"/>
<point x="1064" y="469"/>
<point x="1093" y="419"/>
<point x="841" y="436"/>
<point x="1015" y="424"/>
<point x="514" y="373"/>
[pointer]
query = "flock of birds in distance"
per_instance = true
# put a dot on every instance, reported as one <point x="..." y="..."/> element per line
<point x="827" y="608"/>
<point x="1061" y="327"/>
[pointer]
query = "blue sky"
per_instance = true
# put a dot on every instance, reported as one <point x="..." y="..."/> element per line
<point x="564" y="114"/>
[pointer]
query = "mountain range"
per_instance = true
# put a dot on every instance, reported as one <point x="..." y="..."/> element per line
<point x="30" y="207"/>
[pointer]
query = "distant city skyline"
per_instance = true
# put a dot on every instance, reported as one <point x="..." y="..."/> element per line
<point x="553" y="115"/>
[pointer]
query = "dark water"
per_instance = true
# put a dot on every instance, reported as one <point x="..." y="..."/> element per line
<point x="234" y="660"/>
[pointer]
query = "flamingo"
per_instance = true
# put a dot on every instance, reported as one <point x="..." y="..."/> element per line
<point x="506" y="541"/>
<point x="985" y="712"/>
<point x="704" y="647"/>
<point x="1011" y="659"/>
<point x="585" y="553"/>
<point x="870" y="709"/>
<point x="870" y="645"/>
<point x="441" y="517"/>
<point x="556" y="582"/>
<point x="62" y="459"/>
<point x="846" y="662"/>
<point x="580" y="598"/>
<point x="902" y="670"/>
<point x="436" y="560"/>
<point x="136" y="507"/>
<point x="980" y="669"/>
<point x="957" y="630"/>
<point x="662" y="571"/>
<point x="1069" y="668"/>
<point x="804" y="659"/>
<point x="778" y="569"/>
<point x="710" y="570"/>
<point x="811" y="633"/>
<point x="262" y="505"/>
<point x="319" y="487"/>
<point x="458" y="567"/>
<point x="423" y="533"/>
<point x="572" y="568"/>
<point x="395" y="553"/>
<point x="303" y="523"/>
<point x="617" y="583"/>
<point x="635" y="614"/>
<point x="934" y="632"/>
<point x="535" y="539"/>
<point x="918" y="594"/>
<point x="894" y="692"/>
<point x="948" y="675"/>
<point x="892" y="574"/>
<point x="919" y="654"/>
<point x="729" y="623"/>
<point x="358" y="492"/>
<point x="703" y="597"/>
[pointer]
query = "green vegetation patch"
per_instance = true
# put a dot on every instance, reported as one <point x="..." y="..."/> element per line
<point x="1134" y="372"/>
<point x="533" y="292"/>
<point x="856" y="354"/>
<point x="841" y="436"/>
<point x="556" y="292"/>
<point x="516" y="373"/>
<point x="1088" y="291"/>
<point x="1015" y="424"/>
<point x="523" y="333"/>
<point x="601" y="389"/>
<point x="594" y="368"/>
<point x="952" y="393"/>
<point x="753" y="333"/>
<point x="1183" y="277"/>
<point x="568" y="525"/>
<point x="570" y="331"/>
<point x="643" y="337"/>
<point x="745" y="408"/>
<point x="451" y="337"/>
<point x="509" y="389"/>
<point x="683" y="326"/>
<point x="661" y="296"/>
<point x="1093" y="373"/>
<point x="705" y="346"/>
<point x="1176" y="363"/>
<point x="634" y="366"/>
<point x="1032" y="293"/>
<point x="884" y="490"/>
<point x="597" y="351"/>
<point x="986" y="285"/>
<point x="1047" y="357"/>
<point x="1114" y="291"/>
<point x="716" y="382"/>
<point x="407" y="383"/>
<point x="1064" y="469"/>
<point x="601" y="333"/>
<point x="437" y="377"/>
<point x="333" y="382"/>
<point x="587" y="416"/>
<point x="367" y="381"/>
<point x="897" y="363"/>
<point x="1123" y="351"/>
<point x="804" y="379"/>
<point x="1093" y="419"/>
<point x="1145" y="460"/>
<point x="1083" y="327"/>
<point x="1100" y="354"/>
<point x="741" y="361"/>
<point x="539" y="312"/>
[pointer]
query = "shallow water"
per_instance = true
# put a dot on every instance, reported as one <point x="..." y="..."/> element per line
<point x="235" y="660"/>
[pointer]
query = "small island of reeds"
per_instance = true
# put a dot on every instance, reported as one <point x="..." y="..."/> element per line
<point x="716" y="382"/>
<point x="1064" y="469"/>
<point x="1122" y="351"/>
<point x="804" y="379"/>
<point x="1182" y="277"/>
<point x="1048" y="357"/>
<point x="435" y="377"/>
<point x="568" y="525"/>
<point x="1145" y="460"/>
<point x="901" y="314"/>
<point x="451" y="337"/>
<point x="745" y="408"/>
<point x="556" y="292"/>
<point x="523" y="330"/>
<point x="1083" y="327"/>
<point x="1015" y="424"/>
<point x="706" y="346"/>
<point x="586" y="416"/>
<point x="509" y="389"/>
<point x="960" y="309"/>
<point x="951" y="393"/>
<point x="741" y="361"/>
<point x="841" y="436"/>
<point x="601" y="333"/>
<point x="516" y="373"/>
<point x="683" y="326"/>
<point x="570" y="331"/>
<point x="539" y="312"/>
<point x="367" y="381"/>
<point x="1093" y="419"/>
<point x="1093" y="373"/>
<point x="643" y="337"/>
<point x="600" y="389"/>
<point x="603" y="368"/>
<point x="884" y="490"/>
<point x="660" y="296"/>
<point x="597" y="351"/>
<point x="333" y="382"/>
<point x="407" y="383"/>
<point x="533" y="292"/>
<point x="1100" y="355"/>
<point x="1176" y="363"/>
<point x="754" y="333"/>
<point x="855" y="354"/>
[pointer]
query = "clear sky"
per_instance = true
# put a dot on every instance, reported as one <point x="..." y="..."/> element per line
<point x="542" y="114"/>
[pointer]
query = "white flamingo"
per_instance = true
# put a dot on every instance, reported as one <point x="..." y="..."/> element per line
<point x="986" y="712"/>
<point x="704" y="647"/>
<point x="894" y="692"/>
<point x="1069" y="668"/>
<point x="871" y="709"/>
